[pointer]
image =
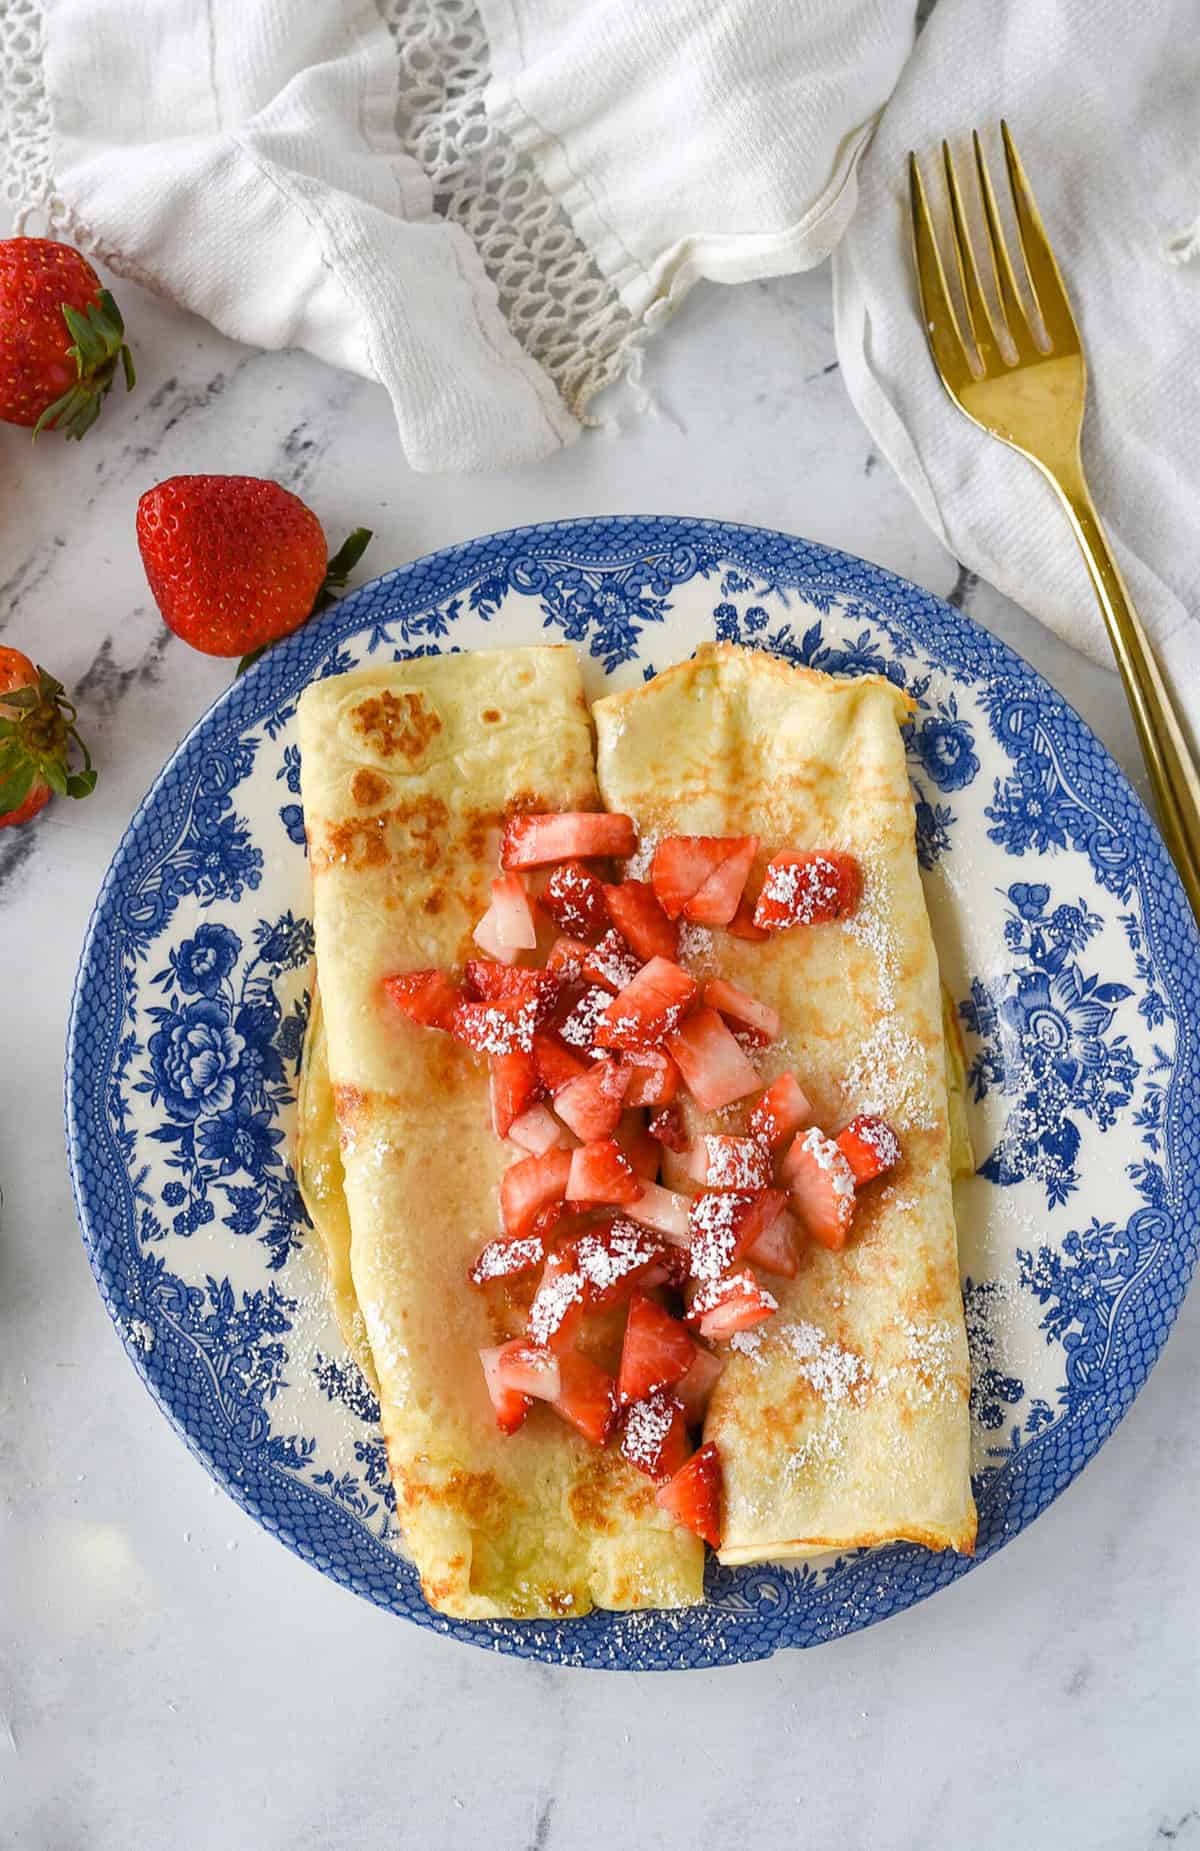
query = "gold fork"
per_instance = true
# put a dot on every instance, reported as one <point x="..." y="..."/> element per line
<point x="1032" y="397"/>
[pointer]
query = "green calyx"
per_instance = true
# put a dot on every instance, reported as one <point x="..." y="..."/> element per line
<point x="39" y="741"/>
<point x="99" y="347"/>
<point x="332" y="585"/>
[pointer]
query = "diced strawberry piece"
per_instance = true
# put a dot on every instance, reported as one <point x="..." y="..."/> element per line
<point x="666" y="1210"/>
<point x="510" y="1404"/>
<point x="670" y="1268"/>
<point x="654" y="1436"/>
<point x="643" y="1151"/>
<point x="566" y="959"/>
<point x="514" y="915"/>
<point x="716" y="902"/>
<point x="733" y="1163"/>
<point x="655" y="1077"/>
<point x="536" y="841"/>
<point x="822" y="1185"/>
<point x="514" y="1084"/>
<point x="602" y="1173"/>
<point x="487" y="937"/>
<point x="506" y="983"/>
<point x="424" y="996"/>
<point x="668" y="1127"/>
<point x="556" y="1310"/>
<point x="715" y="1070"/>
<point x="723" y="1224"/>
<point x="742" y="924"/>
<point x="537" y="1130"/>
<point x="577" y="1027"/>
<point x="697" y="1385"/>
<point x="574" y="900"/>
<point x="870" y="1147"/>
<point x="556" y="1065"/>
<point x="587" y="1397"/>
<point x="657" y="1351"/>
<point x="782" y="1111"/>
<point x="494" y="1028"/>
<point x="611" y="963"/>
<point x="693" y="1495"/>
<point x="531" y="1185"/>
<point x="742" y="1011"/>
<point x="722" y="1306"/>
<point x="683" y="866"/>
<point x="649" y="1008"/>
<point x="591" y="1105"/>
<point x="612" y="1259"/>
<point x="774" y="1249"/>
<point x="548" y="1218"/>
<point x="808" y="890"/>
<point x="529" y="1369"/>
<point x="640" y="920"/>
<point x="505" y="1259"/>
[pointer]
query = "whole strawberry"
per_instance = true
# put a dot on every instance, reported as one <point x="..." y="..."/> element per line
<point x="235" y="562"/>
<point x="37" y="741"/>
<point x="61" y="338"/>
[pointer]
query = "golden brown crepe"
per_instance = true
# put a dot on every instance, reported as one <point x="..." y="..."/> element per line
<point x="843" y="1420"/>
<point x="408" y="771"/>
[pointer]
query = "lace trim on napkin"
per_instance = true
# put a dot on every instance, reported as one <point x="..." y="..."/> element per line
<point x="559" y="306"/>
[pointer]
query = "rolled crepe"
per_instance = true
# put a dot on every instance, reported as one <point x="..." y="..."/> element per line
<point x="843" y="1420"/>
<point x="407" y="774"/>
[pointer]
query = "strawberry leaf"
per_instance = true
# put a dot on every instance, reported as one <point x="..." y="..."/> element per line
<point x="98" y="343"/>
<point x="15" y="788"/>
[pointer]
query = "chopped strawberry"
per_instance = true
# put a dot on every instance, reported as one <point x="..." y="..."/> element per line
<point x="870" y="1147"/>
<point x="716" y="902"/>
<point x="515" y="925"/>
<point x="808" y="890"/>
<point x="556" y="1065"/>
<point x="510" y="1404"/>
<point x="424" y="996"/>
<point x="666" y="1210"/>
<point x="578" y="1025"/>
<point x="574" y="900"/>
<point x="487" y="937"/>
<point x="640" y="920"/>
<point x="693" y="1495"/>
<point x="654" y="1436"/>
<point x="668" y="1127"/>
<point x="537" y="1130"/>
<point x="591" y="1105"/>
<point x="774" y="1249"/>
<point x="536" y="841"/>
<point x="531" y="1185"/>
<point x="602" y="1173"/>
<point x="494" y="1028"/>
<point x="547" y="1219"/>
<point x="649" y="1008"/>
<point x="505" y="1259"/>
<point x="822" y="1185"/>
<point x="657" y="1351"/>
<point x="722" y="1224"/>
<point x="741" y="1011"/>
<point x="505" y="983"/>
<point x="587" y="1397"/>
<point x="697" y="1385"/>
<point x="723" y="1306"/>
<point x="643" y="1151"/>
<point x="715" y="1070"/>
<point x="702" y="876"/>
<point x="529" y="1369"/>
<point x="612" y="1259"/>
<point x="655" y="1077"/>
<point x="556" y="1311"/>
<point x="782" y="1111"/>
<point x="566" y="959"/>
<point x="611" y="963"/>
<point x="670" y="1268"/>
<point x="733" y="1163"/>
<point x="742" y="924"/>
<point x="514" y="1085"/>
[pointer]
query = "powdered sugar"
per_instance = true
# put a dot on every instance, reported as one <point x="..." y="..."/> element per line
<point x="578" y="1029"/>
<point x="647" y="1424"/>
<point x="695" y="944"/>
<point x="889" y="1076"/>
<point x="605" y="1258"/>
<point x="803" y="891"/>
<point x="502" y="1259"/>
<point x="551" y="1303"/>
<point x="735" y="1163"/>
<point x="830" y="1159"/>
<point x="714" y="1223"/>
<point x="836" y="1374"/>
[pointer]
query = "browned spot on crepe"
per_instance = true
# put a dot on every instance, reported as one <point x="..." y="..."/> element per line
<point x="368" y="788"/>
<point x="397" y="725"/>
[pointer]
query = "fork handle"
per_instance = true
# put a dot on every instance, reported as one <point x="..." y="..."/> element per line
<point x="1169" y="760"/>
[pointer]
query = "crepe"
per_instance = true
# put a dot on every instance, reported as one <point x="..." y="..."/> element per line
<point x="843" y="1420"/>
<point x="407" y="774"/>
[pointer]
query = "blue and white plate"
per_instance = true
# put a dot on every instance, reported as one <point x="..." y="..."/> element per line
<point x="1065" y="940"/>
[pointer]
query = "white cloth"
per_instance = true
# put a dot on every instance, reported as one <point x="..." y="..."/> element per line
<point x="1104" y="104"/>
<point x="326" y="175"/>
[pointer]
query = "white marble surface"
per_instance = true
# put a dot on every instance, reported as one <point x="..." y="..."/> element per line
<point x="169" y="1674"/>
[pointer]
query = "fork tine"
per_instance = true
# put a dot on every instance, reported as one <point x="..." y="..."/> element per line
<point x="941" y="322"/>
<point x="979" y="315"/>
<point x="1041" y="267"/>
<point x="1006" y="282"/>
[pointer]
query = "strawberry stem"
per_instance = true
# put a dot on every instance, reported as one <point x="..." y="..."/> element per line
<point x="98" y="345"/>
<point x="39" y="739"/>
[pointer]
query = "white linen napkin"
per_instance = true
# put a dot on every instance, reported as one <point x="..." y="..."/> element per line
<point x="1103" y="101"/>
<point x="327" y="176"/>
